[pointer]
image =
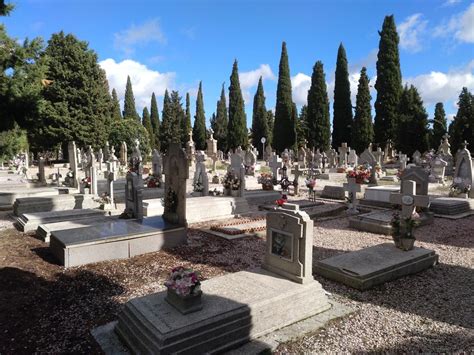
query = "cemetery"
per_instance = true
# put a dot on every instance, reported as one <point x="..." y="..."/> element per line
<point x="152" y="235"/>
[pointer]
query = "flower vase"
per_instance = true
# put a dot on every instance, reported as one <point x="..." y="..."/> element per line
<point x="396" y="240"/>
<point x="184" y="304"/>
<point x="267" y="187"/>
<point x="407" y="243"/>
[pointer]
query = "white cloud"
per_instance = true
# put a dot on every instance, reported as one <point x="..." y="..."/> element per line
<point x="300" y="84"/>
<point x="451" y="2"/>
<point x="444" y="87"/>
<point x="460" y="26"/>
<point x="143" y="34"/>
<point x="189" y="32"/>
<point x="249" y="80"/>
<point x="410" y="31"/>
<point x="145" y="81"/>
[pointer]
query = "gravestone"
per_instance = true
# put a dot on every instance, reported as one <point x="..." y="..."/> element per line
<point x="238" y="168"/>
<point x="403" y="159"/>
<point x="416" y="157"/>
<point x="73" y="164"/>
<point x="93" y="176"/>
<point x="133" y="196"/>
<point x="90" y="160"/>
<point x="352" y="158"/>
<point x="110" y="186"/>
<point x="211" y="144"/>
<point x="438" y="169"/>
<point x="297" y="172"/>
<point x="302" y="157"/>
<point x="318" y="160"/>
<point x="249" y="161"/>
<point x="123" y="154"/>
<point x="389" y="154"/>
<point x="378" y="154"/>
<point x="367" y="157"/>
<point x="285" y="157"/>
<point x="444" y="152"/>
<point x="333" y="192"/>
<point x="100" y="159"/>
<point x="463" y="174"/>
<point x="201" y="180"/>
<point x="352" y="189"/>
<point x="176" y="170"/>
<point x="408" y="199"/>
<point x="41" y="172"/>
<point x="419" y="175"/>
<point x="268" y="153"/>
<point x="289" y="250"/>
<point x="332" y="158"/>
<point x="275" y="164"/>
<point x="190" y="149"/>
<point x="106" y="151"/>
<point x="156" y="162"/>
<point x="343" y="150"/>
<point x="112" y="163"/>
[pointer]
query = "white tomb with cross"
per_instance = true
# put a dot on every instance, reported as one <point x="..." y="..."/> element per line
<point x="352" y="188"/>
<point x="408" y="199"/>
<point x="297" y="172"/>
<point x="275" y="164"/>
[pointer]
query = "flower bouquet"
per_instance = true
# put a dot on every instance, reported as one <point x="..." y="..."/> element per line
<point x="266" y="179"/>
<point x="184" y="290"/>
<point x="361" y="175"/>
<point x="153" y="181"/>
<point x="402" y="230"/>
<point x="231" y="181"/>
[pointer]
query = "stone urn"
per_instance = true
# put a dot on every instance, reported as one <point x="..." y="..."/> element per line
<point x="184" y="304"/>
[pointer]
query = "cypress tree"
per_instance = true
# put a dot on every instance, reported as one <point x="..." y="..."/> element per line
<point x="116" y="113"/>
<point x="199" y="128"/>
<point x="296" y="126"/>
<point x="5" y="9"/>
<point x="186" y="123"/>
<point x="462" y="127"/>
<point x="318" y="110"/>
<point x="342" y="106"/>
<point x="284" y="129"/>
<point x="413" y="125"/>
<point x="166" y="123"/>
<point x="146" y="121"/>
<point x="439" y="125"/>
<point x="129" y="110"/>
<point x="271" y="124"/>
<point x="219" y="124"/>
<point x="388" y="83"/>
<point x="237" y="127"/>
<point x="155" y="122"/>
<point x="302" y="127"/>
<point x="362" y="130"/>
<point x="259" y="118"/>
<point x="178" y="116"/>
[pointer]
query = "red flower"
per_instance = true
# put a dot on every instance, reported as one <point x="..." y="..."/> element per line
<point x="280" y="202"/>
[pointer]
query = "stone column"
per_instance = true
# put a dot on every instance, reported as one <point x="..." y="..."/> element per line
<point x="41" y="173"/>
<point x="93" y="175"/>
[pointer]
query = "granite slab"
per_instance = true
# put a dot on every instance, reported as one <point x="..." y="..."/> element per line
<point x="333" y="192"/>
<point x="54" y="203"/>
<point x="9" y="195"/>
<point x="366" y="268"/>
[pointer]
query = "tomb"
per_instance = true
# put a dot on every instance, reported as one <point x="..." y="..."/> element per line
<point x="54" y="203"/>
<point x="378" y="196"/>
<point x="451" y="207"/>
<point x="333" y="192"/>
<point x="238" y="229"/>
<point x="366" y="268"/>
<point x="9" y="194"/>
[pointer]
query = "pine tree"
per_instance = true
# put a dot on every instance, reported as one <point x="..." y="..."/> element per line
<point x="116" y="113"/>
<point x="362" y="130"/>
<point x="237" y="127"/>
<point x="77" y="106"/>
<point x="439" y="125"/>
<point x="5" y="9"/>
<point x="155" y="122"/>
<point x="388" y="83"/>
<point x="146" y="121"/>
<point x="199" y="128"/>
<point x="413" y="125"/>
<point x="259" y="118"/>
<point x="271" y="124"/>
<point x="462" y="127"/>
<point x="342" y="107"/>
<point x="186" y="123"/>
<point x="284" y="129"/>
<point x="129" y="110"/>
<point x="318" y="110"/>
<point x="219" y="125"/>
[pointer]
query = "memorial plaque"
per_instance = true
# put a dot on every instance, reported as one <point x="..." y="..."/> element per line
<point x="282" y="244"/>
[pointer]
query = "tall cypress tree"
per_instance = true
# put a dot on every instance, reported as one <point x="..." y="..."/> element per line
<point x="462" y="127"/>
<point x="237" y="127"/>
<point x="271" y="124"/>
<point x="199" y="128"/>
<point x="219" y="124"/>
<point x="155" y="123"/>
<point x="342" y="106"/>
<point x="284" y="129"/>
<point x="362" y="130"/>
<point x="116" y="114"/>
<point x="186" y="124"/>
<point x="146" y="121"/>
<point x="439" y="125"/>
<point x="129" y="110"/>
<point x="318" y="110"/>
<point x="413" y="125"/>
<point x="178" y="116"/>
<point x="166" y="123"/>
<point x="259" y="118"/>
<point x="302" y="126"/>
<point x="388" y="83"/>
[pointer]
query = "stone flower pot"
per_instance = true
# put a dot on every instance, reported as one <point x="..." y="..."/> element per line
<point x="184" y="304"/>
<point x="407" y="243"/>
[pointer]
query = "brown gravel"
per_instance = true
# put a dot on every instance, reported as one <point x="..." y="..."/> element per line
<point x="44" y="308"/>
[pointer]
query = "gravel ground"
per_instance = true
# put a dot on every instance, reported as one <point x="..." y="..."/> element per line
<point x="44" y="308"/>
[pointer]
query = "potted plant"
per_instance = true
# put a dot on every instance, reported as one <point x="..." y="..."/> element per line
<point x="184" y="290"/>
<point x="403" y="231"/>
<point x="266" y="179"/>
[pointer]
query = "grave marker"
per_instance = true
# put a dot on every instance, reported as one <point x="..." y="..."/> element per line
<point x="352" y="188"/>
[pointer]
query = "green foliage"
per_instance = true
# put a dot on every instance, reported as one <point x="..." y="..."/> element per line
<point x="77" y="104"/>
<point x="284" y="129"/>
<point x="186" y="123"/>
<point x="413" y="126"/>
<point x="155" y="123"/>
<point x="318" y="110"/>
<point x="173" y="114"/>
<point x="439" y="125"/>
<point x="271" y="124"/>
<point x="259" y="118"/>
<point x="5" y="9"/>
<point x="128" y="131"/>
<point x="199" y="128"/>
<point x="146" y="121"/>
<point x="462" y="127"/>
<point x="301" y="126"/>
<point x="219" y="123"/>
<point x="362" y="129"/>
<point x="388" y="83"/>
<point x="129" y="110"/>
<point x="116" y="113"/>
<point x="237" y="127"/>
<point x="342" y="107"/>
<point x="12" y="142"/>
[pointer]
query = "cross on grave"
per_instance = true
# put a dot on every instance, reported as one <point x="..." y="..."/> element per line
<point x="408" y="199"/>
<point x="275" y="164"/>
<point x="343" y="149"/>
<point x="352" y="188"/>
<point x="297" y="172"/>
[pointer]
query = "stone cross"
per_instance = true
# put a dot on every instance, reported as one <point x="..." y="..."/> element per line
<point x="343" y="149"/>
<point x="403" y="159"/>
<point x="297" y="172"/>
<point x="123" y="154"/>
<point x="275" y="164"/>
<point x="110" y="186"/>
<point x="302" y="157"/>
<point x="318" y="157"/>
<point x="352" y="188"/>
<point x="352" y="159"/>
<point x="408" y="199"/>
<point x="378" y="154"/>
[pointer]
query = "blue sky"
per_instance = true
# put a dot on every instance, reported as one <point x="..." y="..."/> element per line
<point x="175" y="44"/>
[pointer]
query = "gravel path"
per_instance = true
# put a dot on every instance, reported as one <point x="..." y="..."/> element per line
<point x="44" y="308"/>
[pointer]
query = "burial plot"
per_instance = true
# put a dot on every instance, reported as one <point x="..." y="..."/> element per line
<point x="379" y="196"/>
<point x="238" y="229"/>
<point x="333" y="192"/>
<point x="237" y="307"/>
<point x="420" y="176"/>
<point x="451" y="207"/>
<point x="54" y="203"/>
<point x="8" y="195"/>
